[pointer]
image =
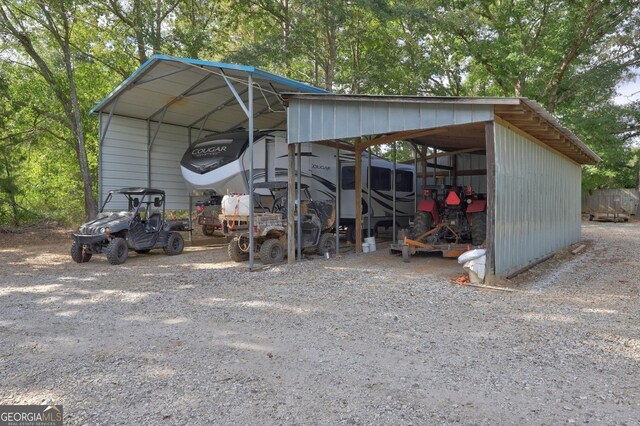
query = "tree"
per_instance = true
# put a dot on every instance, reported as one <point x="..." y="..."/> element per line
<point x="43" y="32"/>
<point x="567" y="55"/>
<point x="201" y="28"/>
<point x="549" y="50"/>
<point x="144" y="22"/>
<point x="9" y="189"/>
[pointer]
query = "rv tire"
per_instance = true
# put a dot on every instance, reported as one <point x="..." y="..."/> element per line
<point x="327" y="244"/>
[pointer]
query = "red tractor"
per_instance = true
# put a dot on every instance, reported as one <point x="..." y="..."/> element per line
<point x="458" y="217"/>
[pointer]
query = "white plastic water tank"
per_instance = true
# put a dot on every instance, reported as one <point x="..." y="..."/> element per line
<point x="235" y="205"/>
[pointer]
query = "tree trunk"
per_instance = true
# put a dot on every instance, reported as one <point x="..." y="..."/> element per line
<point x="10" y="190"/>
<point x="75" y="121"/>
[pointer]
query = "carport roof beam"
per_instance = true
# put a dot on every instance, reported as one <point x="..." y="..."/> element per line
<point x="155" y="86"/>
<point x="235" y="93"/>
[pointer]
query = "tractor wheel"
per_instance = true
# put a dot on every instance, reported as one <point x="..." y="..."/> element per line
<point x="117" y="251"/>
<point x="421" y="224"/>
<point x="327" y="244"/>
<point x="271" y="251"/>
<point x="478" y="228"/>
<point x="175" y="244"/>
<point x="77" y="253"/>
<point x="235" y="254"/>
<point x="208" y="230"/>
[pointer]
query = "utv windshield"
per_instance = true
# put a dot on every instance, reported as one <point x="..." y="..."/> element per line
<point x="118" y="202"/>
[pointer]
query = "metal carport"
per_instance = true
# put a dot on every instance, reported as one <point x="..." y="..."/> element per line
<point x="533" y="164"/>
<point x="147" y="122"/>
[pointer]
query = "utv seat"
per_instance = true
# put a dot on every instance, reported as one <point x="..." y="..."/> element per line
<point x="257" y="204"/>
<point x="153" y="223"/>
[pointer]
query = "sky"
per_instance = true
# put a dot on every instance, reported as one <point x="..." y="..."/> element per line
<point x="629" y="91"/>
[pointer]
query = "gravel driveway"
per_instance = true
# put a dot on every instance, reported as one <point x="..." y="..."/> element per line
<point x="359" y="339"/>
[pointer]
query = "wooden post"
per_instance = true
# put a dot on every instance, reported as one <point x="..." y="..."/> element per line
<point x="358" y="193"/>
<point x="338" y="185"/>
<point x="291" y="194"/>
<point x="423" y="165"/>
<point x="491" y="201"/>
<point x="454" y="171"/>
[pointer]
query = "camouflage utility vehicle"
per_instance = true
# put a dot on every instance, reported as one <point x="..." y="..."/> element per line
<point x="130" y="218"/>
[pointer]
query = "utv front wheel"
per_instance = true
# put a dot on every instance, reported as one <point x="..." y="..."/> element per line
<point x="271" y="251"/>
<point x="175" y="244"/>
<point x="78" y="254"/>
<point x="117" y="251"/>
<point x="235" y="253"/>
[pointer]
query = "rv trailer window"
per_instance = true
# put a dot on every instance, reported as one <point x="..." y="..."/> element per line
<point x="348" y="177"/>
<point x="404" y="181"/>
<point x="380" y="179"/>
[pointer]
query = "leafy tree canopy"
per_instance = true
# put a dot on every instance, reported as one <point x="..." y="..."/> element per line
<point x="60" y="57"/>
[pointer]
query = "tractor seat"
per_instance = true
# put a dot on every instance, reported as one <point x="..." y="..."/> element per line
<point x="153" y="223"/>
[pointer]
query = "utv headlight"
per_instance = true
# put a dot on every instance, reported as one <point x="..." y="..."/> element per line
<point x="104" y="230"/>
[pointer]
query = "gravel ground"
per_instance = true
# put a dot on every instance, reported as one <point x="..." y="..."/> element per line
<point x="359" y="339"/>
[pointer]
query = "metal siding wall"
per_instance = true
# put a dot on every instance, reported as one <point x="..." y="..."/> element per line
<point x="315" y="120"/>
<point x="123" y="155"/>
<point x="473" y="162"/>
<point x="537" y="202"/>
<point x="124" y="159"/>
<point x="166" y="153"/>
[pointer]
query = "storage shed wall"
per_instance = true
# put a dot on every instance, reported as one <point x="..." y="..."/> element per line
<point x="537" y="201"/>
<point x="124" y="154"/>
<point x="310" y="120"/>
<point x="472" y="162"/>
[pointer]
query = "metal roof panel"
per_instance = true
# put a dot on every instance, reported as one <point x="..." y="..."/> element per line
<point x="192" y="92"/>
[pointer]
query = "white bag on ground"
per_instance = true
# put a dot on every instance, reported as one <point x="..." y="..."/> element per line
<point x="474" y="263"/>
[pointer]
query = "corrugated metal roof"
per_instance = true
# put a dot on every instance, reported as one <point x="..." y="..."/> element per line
<point x="194" y="93"/>
<point x="315" y="117"/>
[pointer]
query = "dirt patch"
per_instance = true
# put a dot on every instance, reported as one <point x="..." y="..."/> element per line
<point x="35" y="234"/>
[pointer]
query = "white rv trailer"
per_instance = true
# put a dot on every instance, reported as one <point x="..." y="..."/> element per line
<point x="221" y="162"/>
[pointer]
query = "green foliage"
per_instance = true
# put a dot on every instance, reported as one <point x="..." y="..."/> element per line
<point x="610" y="131"/>
<point x="568" y="55"/>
